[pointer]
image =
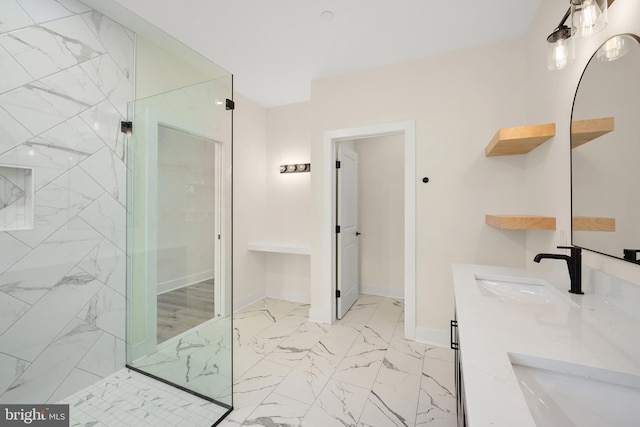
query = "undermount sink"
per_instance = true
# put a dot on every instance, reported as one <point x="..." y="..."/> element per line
<point x="519" y="289"/>
<point x="566" y="394"/>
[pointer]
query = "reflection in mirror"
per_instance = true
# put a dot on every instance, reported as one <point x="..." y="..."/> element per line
<point x="605" y="141"/>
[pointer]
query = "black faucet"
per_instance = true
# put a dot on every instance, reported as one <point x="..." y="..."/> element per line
<point x="574" y="263"/>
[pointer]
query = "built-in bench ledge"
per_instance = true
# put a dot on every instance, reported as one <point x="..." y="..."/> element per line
<point x="280" y="247"/>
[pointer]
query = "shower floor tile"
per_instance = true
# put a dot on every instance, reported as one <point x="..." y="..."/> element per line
<point x="128" y="398"/>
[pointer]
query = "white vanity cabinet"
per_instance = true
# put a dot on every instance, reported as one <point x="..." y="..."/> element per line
<point x="519" y="336"/>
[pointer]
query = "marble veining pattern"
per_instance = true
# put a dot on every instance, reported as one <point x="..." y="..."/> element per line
<point x="128" y="398"/>
<point x="118" y="40"/>
<point x="42" y="377"/>
<point x="13" y="309"/>
<point x="403" y="383"/>
<point x="107" y="263"/>
<point x="45" y="103"/>
<point x="56" y="203"/>
<point x="13" y="250"/>
<point x="12" y="133"/>
<point x="107" y="216"/>
<point x="62" y="284"/>
<point x="44" y="267"/>
<point x="107" y="169"/>
<point x="107" y="311"/>
<point x="74" y="291"/>
<point x="47" y="10"/>
<point x="13" y="75"/>
<point x="11" y="189"/>
<point x="72" y="137"/>
<point x="276" y="392"/>
<point x="105" y="357"/>
<point x="115" y="86"/>
<point x="105" y="119"/>
<point x="198" y="359"/>
<point x="47" y="48"/>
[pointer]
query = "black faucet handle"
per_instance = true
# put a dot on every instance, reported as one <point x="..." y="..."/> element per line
<point x="630" y="254"/>
<point x="573" y="249"/>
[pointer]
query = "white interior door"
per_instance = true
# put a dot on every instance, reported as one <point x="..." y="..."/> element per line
<point x="347" y="237"/>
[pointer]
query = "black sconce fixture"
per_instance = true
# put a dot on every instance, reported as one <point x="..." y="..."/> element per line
<point x="587" y="18"/>
<point x="126" y="128"/>
<point x="298" y="167"/>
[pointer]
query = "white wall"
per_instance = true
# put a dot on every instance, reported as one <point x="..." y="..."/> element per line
<point x="249" y="200"/>
<point x="458" y="101"/>
<point x="159" y="70"/>
<point x="549" y="98"/>
<point x="381" y="214"/>
<point x="288" y="208"/>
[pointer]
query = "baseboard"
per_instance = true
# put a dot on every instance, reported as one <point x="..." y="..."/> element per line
<point x="181" y="282"/>
<point x="433" y="337"/>
<point x="299" y="297"/>
<point x="381" y="291"/>
<point x="240" y="303"/>
<point x="320" y="316"/>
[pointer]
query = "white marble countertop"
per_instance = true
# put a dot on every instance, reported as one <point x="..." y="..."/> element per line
<point x="591" y="331"/>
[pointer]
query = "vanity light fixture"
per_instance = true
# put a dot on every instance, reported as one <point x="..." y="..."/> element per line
<point x="587" y="18"/>
<point x="298" y="167"/>
<point x="560" y="48"/>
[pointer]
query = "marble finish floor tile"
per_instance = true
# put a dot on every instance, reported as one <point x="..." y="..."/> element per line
<point x="199" y="359"/>
<point x="360" y="371"/>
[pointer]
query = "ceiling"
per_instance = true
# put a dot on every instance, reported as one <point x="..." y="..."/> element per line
<point x="276" y="48"/>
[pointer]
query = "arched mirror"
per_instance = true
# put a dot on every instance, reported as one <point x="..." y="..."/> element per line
<point x="605" y="151"/>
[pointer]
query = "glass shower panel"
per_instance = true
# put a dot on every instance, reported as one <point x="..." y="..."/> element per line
<point x="179" y="314"/>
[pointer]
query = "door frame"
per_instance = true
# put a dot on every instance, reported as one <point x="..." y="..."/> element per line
<point x="150" y="121"/>
<point x="407" y="129"/>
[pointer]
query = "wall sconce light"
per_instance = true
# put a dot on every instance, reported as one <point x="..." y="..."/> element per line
<point x="298" y="167"/>
<point x="126" y="128"/>
<point x="560" y="48"/>
<point x="587" y="18"/>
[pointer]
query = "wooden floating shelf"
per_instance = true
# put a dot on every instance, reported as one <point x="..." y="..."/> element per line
<point x="521" y="222"/>
<point x="519" y="140"/>
<point x="583" y="131"/>
<point x="590" y="223"/>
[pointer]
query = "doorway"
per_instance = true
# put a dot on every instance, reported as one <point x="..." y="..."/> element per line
<point x="331" y="140"/>
<point x="188" y="205"/>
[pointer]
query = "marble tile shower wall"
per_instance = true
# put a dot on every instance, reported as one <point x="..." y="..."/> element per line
<point x="66" y="75"/>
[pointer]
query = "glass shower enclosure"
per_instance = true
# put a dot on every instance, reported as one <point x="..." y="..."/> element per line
<point x="179" y="242"/>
